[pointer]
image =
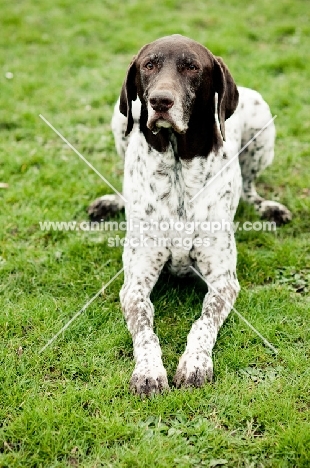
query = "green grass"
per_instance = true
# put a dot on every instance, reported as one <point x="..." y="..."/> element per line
<point x="70" y="406"/>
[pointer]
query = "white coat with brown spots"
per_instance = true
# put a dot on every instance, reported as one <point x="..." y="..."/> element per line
<point x="179" y="125"/>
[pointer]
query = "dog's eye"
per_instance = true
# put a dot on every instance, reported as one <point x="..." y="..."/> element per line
<point x="191" y="67"/>
<point x="149" y="66"/>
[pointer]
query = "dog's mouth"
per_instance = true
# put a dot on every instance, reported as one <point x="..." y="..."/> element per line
<point x="161" y="120"/>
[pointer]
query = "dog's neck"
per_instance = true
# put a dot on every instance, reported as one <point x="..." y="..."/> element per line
<point x="201" y="138"/>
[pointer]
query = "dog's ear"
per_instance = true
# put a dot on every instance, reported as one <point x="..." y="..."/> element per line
<point x="129" y="94"/>
<point x="228" y="95"/>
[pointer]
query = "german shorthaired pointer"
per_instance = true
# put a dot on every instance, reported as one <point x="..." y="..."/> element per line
<point x="179" y="125"/>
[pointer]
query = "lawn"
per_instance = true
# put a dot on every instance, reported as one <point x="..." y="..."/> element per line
<point x="70" y="406"/>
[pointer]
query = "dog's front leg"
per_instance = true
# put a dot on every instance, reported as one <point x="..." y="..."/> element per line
<point x="142" y="268"/>
<point x="195" y="365"/>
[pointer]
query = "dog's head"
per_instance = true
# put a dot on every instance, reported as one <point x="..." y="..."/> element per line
<point x="176" y="80"/>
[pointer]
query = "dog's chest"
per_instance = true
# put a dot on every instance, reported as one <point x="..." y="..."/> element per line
<point x="162" y="202"/>
<point x="160" y="186"/>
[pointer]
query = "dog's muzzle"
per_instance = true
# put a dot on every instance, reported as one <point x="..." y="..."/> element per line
<point x="161" y="101"/>
<point x="162" y="113"/>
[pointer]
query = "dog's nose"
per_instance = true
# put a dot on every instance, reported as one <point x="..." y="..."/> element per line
<point x="161" y="101"/>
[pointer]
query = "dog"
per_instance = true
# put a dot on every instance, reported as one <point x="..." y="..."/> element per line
<point x="183" y="127"/>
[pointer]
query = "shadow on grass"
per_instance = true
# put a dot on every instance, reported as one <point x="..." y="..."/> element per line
<point x="178" y="303"/>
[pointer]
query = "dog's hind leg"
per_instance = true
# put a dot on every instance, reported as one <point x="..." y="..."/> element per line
<point x="104" y="207"/>
<point x="258" y="155"/>
<point x="108" y="205"/>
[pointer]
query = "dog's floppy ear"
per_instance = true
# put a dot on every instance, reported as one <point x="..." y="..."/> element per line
<point x="129" y="94"/>
<point x="228" y="95"/>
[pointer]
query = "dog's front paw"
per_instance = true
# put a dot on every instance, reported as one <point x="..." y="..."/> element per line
<point x="274" y="211"/>
<point x="194" y="370"/>
<point x="105" y="207"/>
<point x="146" y="381"/>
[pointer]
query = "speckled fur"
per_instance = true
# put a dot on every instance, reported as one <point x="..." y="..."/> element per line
<point x="159" y="185"/>
<point x="158" y="180"/>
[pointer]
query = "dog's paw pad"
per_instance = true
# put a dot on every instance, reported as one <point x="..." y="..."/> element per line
<point x="148" y="383"/>
<point x="276" y="212"/>
<point x="105" y="207"/>
<point x="193" y="371"/>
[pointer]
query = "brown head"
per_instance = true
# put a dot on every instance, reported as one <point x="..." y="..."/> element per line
<point x="176" y="80"/>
